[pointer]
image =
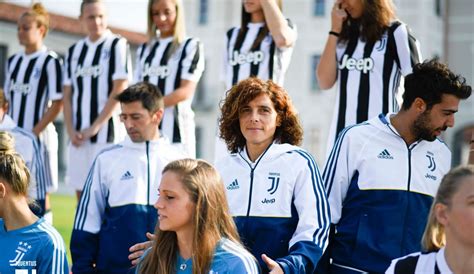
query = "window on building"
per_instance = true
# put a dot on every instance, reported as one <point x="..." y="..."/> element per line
<point x="3" y="63"/>
<point x="319" y="7"/>
<point x="314" y="64"/>
<point x="438" y="7"/>
<point x="203" y="12"/>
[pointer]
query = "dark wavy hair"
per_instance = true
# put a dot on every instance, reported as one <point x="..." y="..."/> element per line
<point x="289" y="131"/>
<point x="373" y="22"/>
<point x="430" y="80"/>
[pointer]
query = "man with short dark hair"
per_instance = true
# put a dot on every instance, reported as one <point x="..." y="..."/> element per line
<point x="116" y="208"/>
<point x="382" y="174"/>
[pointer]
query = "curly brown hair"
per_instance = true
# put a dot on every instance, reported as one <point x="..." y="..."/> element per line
<point x="289" y="131"/>
<point x="374" y="21"/>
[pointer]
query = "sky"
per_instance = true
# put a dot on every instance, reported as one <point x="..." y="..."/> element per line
<point x="127" y="14"/>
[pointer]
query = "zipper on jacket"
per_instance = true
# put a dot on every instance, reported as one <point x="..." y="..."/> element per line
<point x="147" y="143"/>
<point x="250" y="192"/>
<point x="409" y="169"/>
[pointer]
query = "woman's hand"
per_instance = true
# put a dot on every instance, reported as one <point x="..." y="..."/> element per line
<point x="272" y="265"/>
<point x="338" y="16"/>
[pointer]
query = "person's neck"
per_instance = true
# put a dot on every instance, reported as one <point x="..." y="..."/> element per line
<point x="403" y="123"/>
<point x="18" y="214"/>
<point x="257" y="17"/>
<point x="155" y="136"/>
<point x="29" y="49"/>
<point x="255" y="150"/>
<point x="95" y="37"/>
<point x="459" y="258"/>
<point x="185" y="243"/>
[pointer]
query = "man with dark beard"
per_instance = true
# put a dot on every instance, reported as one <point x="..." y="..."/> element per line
<point x="382" y="174"/>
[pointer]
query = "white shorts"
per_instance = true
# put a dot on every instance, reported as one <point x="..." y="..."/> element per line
<point x="79" y="162"/>
<point x="49" y="137"/>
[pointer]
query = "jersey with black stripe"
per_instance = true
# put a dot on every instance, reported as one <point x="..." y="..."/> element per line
<point x="419" y="262"/>
<point x="158" y="63"/>
<point x="368" y="76"/>
<point x="265" y="60"/>
<point x="32" y="81"/>
<point x="90" y="69"/>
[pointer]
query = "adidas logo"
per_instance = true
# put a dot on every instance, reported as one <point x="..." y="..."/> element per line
<point x="234" y="185"/>
<point x="385" y="155"/>
<point x="126" y="176"/>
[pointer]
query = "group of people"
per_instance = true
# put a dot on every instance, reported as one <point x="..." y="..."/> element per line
<point x="264" y="207"/>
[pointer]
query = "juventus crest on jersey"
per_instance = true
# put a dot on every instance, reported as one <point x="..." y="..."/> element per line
<point x="91" y="68"/>
<point x="32" y="81"/>
<point x="165" y="65"/>
<point x="369" y="75"/>
<point x="264" y="60"/>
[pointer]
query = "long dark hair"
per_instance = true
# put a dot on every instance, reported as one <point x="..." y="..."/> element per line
<point x="246" y="18"/>
<point x="374" y="21"/>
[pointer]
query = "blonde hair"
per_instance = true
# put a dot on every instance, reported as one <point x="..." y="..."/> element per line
<point x="434" y="236"/>
<point x="211" y="220"/>
<point x="40" y="15"/>
<point x="179" y="28"/>
<point x="13" y="169"/>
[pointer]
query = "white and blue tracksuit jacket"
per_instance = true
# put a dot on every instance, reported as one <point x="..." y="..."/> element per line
<point x="32" y="151"/>
<point x="279" y="205"/>
<point x="116" y="206"/>
<point x="380" y="191"/>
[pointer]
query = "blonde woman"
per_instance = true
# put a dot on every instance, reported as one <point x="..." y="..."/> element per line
<point x="33" y="87"/>
<point x="173" y="62"/>
<point x="196" y="233"/>
<point x="29" y="244"/>
<point x="448" y="242"/>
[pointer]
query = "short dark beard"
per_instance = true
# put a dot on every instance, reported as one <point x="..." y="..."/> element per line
<point x="420" y="127"/>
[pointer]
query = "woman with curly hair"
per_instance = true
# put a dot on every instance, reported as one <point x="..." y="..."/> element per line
<point x="274" y="188"/>
<point x="366" y="52"/>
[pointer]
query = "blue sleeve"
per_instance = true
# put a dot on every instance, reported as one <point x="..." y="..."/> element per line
<point x="84" y="251"/>
<point x="88" y="221"/>
<point x="310" y="237"/>
<point x="53" y="258"/>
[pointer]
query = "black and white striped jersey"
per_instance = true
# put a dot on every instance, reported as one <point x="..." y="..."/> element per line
<point x="266" y="62"/>
<point x="90" y="69"/>
<point x="426" y="263"/>
<point x="32" y="81"/>
<point x="159" y="65"/>
<point x="369" y="74"/>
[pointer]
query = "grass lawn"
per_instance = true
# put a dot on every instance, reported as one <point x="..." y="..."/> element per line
<point x="64" y="209"/>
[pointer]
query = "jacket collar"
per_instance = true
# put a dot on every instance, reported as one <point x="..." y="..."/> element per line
<point x="7" y="123"/>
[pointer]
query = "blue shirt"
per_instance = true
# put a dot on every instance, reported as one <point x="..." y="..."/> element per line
<point x="36" y="247"/>
<point x="229" y="258"/>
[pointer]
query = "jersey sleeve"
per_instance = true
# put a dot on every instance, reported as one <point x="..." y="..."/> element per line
<point x="52" y="259"/>
<point x="55" y="78"/>
<point x="193" y="62"/>
<point x="88" y="220"/>
<point x="68" y="70"/>
<point x="408" y="49"/>
<point x="122" y="64"/>
<point x="6" y="83"/>
<point x="310" y="237"/>
<point x="138" y="76"/>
